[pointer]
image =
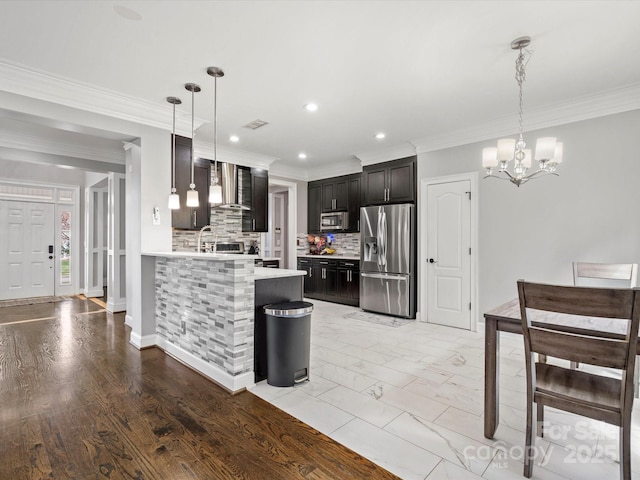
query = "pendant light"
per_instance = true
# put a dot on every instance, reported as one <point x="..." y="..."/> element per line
<point x="192" y="193"/>
<point x="548" y="152"/>
<point x="215" y="190"/>
<point x="174" y="198"/>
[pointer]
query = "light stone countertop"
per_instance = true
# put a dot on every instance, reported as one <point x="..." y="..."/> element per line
<point x="207" y="256"/>
<point x="263" y="273"/>
<point x="335" y="256"/>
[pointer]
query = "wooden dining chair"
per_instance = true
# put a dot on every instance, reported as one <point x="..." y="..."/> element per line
<point x="599" y="397"/>
<point x="605" y="274"/>
<point x="588" y="274"/>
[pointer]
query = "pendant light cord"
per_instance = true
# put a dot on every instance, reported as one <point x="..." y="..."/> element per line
<point x="173" y="152"/>
<point x="193" y="143"/>
<point x="215" y="130"/>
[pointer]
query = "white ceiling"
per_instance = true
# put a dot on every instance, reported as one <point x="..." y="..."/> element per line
<point x="427" y="73"/>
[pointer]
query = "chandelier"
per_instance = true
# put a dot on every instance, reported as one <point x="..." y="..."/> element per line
<point x="548" y="152"/>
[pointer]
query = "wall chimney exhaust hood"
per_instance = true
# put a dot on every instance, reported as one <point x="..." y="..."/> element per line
<point x="229" y="176"/>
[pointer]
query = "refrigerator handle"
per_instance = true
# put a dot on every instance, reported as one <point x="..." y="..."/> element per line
<point x="382" y="232"/>
<point x="382" y="276"/>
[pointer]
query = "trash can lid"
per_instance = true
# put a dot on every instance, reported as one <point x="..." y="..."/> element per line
<point x="288" y="309"/>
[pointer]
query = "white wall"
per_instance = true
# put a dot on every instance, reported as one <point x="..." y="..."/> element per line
<point x="588" y="213"/>
<point x="148" y="173"/>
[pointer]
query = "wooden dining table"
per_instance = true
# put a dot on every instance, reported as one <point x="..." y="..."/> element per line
<point x="506" y="318"/>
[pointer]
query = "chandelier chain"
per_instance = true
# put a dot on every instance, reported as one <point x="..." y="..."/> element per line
<point x="521" y="74"/>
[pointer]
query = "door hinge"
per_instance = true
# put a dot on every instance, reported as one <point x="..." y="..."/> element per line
<point x="469" y="194"/>
<point x="469" y="250"/>
<point x="469" y="305"/>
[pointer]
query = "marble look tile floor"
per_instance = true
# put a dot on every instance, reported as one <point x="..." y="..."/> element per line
<point x="411" y="400"/>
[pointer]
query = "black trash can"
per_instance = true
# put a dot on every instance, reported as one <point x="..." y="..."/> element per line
<point x="288" y="342"/>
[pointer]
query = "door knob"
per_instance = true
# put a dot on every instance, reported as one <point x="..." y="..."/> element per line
<point x="431" y="260"/>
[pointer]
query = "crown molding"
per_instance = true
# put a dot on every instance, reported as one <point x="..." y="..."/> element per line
<point x="387" y="153"/>
<point x="233" y="155"/>
<point x="283" y="170"/>
<point x="320" y="171"/>
<point x="610" y="102"/>
<point x="62" y="161"/>
<point x="30" y="82"/>
<point x="34" y="143"/>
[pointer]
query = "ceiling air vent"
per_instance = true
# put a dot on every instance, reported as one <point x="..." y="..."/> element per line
<point x="257" y="123"/>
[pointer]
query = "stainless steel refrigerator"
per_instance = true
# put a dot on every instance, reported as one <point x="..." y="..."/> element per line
<point x="387" y="257"/>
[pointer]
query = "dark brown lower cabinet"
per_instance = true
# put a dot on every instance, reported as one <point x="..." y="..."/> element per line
<point x="331" y="280"/>
<point x="349" y="282"/>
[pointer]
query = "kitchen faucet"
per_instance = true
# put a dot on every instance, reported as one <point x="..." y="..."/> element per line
<point x="215" y="238"/>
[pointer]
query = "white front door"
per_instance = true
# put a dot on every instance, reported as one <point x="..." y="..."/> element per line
<point x="449" y="254"/>
<point x="26" y="249"/>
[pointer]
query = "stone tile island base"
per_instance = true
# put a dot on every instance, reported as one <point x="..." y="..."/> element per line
<point x="203" y="313"/>
<point x="201" y="309"/>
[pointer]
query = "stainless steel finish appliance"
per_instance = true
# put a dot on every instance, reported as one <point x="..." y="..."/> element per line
<point x="334" y="221"/>
<point x="387" y="257"/>
<point x="228" y="175"/>
<point x="229" y="247"/>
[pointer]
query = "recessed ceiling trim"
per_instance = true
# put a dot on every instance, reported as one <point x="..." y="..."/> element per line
<point x="17" y="155"/>
<point x="35" y="143"/>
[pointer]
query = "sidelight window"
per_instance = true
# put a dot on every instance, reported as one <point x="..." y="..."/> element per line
<point x="65" y="247"/>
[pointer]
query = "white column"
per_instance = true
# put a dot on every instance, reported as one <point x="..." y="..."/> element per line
<point x="116" y="244"/>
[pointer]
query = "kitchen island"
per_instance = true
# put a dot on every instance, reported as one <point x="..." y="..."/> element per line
<point x="200" y="308"/>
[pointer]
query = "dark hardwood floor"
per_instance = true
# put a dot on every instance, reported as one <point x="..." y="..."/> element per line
<point x="77" y="401"/>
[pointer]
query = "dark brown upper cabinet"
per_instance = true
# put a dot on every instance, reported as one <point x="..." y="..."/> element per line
<point x="389" y="182"/>
<point x="255" y="195"/>
<point x="188" y="218"/>
<point x="335" y="194"/>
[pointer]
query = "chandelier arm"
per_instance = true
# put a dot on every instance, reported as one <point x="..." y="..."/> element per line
<point x="496" y="177"/>
<point x="540" y="174"/>
<point x="508" y="174"/>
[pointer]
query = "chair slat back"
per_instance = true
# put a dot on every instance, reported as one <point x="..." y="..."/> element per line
<point x="585" y="301"/>
<point x="603" y="352"/>
<point x="602" y="349"/>
<point x="584" y="271"/>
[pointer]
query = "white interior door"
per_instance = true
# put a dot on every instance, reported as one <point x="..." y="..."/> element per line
<point x="449" y="254"/>
<point x="26" y="249"/>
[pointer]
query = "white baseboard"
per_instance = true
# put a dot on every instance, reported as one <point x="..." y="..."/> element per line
<point x="141" y="342"/>
<point x="117" y="306"/>
<point x="96" y="292"/>
<point x="128" y="321"/>
<point x="233" y="383"/>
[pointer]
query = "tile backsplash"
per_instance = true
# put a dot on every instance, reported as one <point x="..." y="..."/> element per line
<point x="227" y="224"/>
<point x="344" y="243"/>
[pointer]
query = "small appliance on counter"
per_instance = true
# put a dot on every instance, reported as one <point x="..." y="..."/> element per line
<point x="321" y="244"/>
<point x="230" y="247"/>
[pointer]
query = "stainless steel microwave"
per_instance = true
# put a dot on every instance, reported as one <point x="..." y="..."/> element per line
<point x="334" y="221"/>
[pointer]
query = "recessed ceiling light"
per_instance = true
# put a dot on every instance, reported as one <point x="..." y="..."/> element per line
<point x="311" y="107"/>
<point x="234" y="138"/>
<point x="380" y="136"/>
<point x="302" y="156"/>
